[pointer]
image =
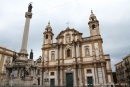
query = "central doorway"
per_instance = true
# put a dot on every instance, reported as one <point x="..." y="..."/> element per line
<point x="69" y="80"/>
<point x="52" y="82"/>
<point x="90" y="81"/>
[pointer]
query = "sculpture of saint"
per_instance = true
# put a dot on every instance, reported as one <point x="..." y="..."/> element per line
<point x="87" y="52"/>
<point x="52" y="56"/>
<point x="27" y="70"/>
<point x="30" y="8"/>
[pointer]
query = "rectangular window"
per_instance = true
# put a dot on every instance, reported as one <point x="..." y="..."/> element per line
<point x="52" y="73"/>
<point x="89" y="71"/>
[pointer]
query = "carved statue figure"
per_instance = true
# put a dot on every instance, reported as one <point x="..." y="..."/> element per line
<point x="87" y="52"/>
<point x="52" y="56"/>
<point x="68" y="68"/>
<point x="14" y="57"/>
<point x="8" y="61"/>
<point x="27" y="70"/>
<point x="31" y="54"/>
<point x="22" y="73"/>
<point x="30" y="8"/>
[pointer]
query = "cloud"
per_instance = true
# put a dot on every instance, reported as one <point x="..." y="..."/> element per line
<point x="113" y="18"/>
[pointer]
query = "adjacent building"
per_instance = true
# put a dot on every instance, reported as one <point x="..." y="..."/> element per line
<point x="5" y="54"/>
<point x="123" y="70"/>
<point x="75" y="60"/>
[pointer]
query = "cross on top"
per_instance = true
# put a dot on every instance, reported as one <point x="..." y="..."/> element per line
<point x="67" y="24"/>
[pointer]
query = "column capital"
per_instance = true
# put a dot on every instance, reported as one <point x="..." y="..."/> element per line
<point x="74" y="66"/>
<point x="102" y="64"/>
<point x="95" y="65"/>
<point x="80" y="66"/>
<point x="28" y="15"/>
<point x="61" y="67"/>
<point x="57" y="68"/>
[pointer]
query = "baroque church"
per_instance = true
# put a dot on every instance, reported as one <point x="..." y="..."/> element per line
<point x="72" y="61"/>
<point x="75" y="60"/>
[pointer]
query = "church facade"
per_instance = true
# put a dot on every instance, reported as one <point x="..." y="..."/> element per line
<point x="75" y="60"/>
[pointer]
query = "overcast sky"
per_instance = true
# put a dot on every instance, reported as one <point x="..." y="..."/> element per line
<point x="113" y="16"/>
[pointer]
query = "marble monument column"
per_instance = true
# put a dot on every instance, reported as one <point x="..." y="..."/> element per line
<point x="28" y="16"/>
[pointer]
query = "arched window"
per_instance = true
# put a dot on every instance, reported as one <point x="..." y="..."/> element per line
<point x="93" y="26"/>
<point x="87" y="51"/>
<point x="46" y="36"/>
<point x="52" y="56"/>
<point x="68" y="53"/>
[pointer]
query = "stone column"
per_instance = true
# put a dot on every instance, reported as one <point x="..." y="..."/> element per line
<point x="61" y="78"/>
<point x="56" y="76"/>
<point x="28" y="16"/>
<point x="73" y="50"/>
<point x="96" y="79"/>
<point x="77" y="54"/>
<point x="75" y="84"/>
<point x="103" y="74"/>
<point x="61" y="54"/>
<point x="78" y="51"/>
<point x="60" y="51"/>
<point x="80" y="76"/>
<point x="57" y="53"/>
<point x="40" y="76"/>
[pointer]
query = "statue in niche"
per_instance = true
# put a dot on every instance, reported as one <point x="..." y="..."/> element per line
<point x="52" y="56"/>
<point x="30" y="7"/>
<point x="87" y="52"/>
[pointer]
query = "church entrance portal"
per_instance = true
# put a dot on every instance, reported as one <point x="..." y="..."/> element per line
<point x="69" y="80"/>
<point x="90" y="81"/>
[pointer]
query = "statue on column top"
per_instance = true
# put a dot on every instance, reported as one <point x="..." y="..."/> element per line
<point x="30" y="7"/>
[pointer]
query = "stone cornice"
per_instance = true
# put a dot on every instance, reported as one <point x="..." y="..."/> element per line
<point x="93" y="21"/>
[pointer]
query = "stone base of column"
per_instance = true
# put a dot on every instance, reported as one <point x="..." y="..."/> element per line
<point x="22" y="57"/>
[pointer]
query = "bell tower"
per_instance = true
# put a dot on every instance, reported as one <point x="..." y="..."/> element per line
<point x="93" y="25"/>
<point x="48" y="35"/>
